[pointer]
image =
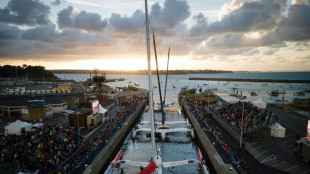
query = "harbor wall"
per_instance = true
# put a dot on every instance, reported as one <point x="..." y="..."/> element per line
<point x="251" y="80"/>
<point x="107" y="154"/>
<point x="215" y="159"/>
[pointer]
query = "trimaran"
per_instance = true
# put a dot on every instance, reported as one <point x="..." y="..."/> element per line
<point x="155" y="165"/>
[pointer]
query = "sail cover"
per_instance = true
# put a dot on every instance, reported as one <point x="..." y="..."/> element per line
<point x="149" y="169"/>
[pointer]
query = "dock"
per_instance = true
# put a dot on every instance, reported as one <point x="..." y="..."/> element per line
<point x="219" y="166"/>
<point x="106" y="155"/>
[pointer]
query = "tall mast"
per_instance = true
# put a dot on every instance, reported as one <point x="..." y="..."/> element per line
<point x="159" y="88"/>
<point x="166" y="76"/>
<point x="150" y="80"/>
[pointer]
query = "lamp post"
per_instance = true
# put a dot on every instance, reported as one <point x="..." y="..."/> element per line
<point x="208" y="101"/>
<point x="244" y="97"/>
<point x="78" y="121"/>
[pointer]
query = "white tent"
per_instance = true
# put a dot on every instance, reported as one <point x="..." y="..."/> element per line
<point x="37" y="125"/>
<point x="260" y="103"/>
<point x="102" y="111"/>
<point x="17" y="127"/>
<point x="277" y="130"/>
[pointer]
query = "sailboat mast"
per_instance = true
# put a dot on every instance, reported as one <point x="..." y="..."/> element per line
<point x="158" y="79"/>
<point x="150" y="80"/>
<point x="166" y="76"/>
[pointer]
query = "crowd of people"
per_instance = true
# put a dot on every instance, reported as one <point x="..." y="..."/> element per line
<point x="43" y="149"/>
<point x="53" y="149"/>
<point x="253" y="116"/>
<point x="199" y="111"/>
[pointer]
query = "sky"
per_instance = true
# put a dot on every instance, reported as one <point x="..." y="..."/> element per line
<point x="236" y="35"/>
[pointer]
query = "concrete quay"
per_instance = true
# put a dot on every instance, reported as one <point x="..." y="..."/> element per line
<point x="219" y="166"/>
<point x="107" y="154"/>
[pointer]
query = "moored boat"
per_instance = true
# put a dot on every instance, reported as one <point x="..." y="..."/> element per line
<point x="253" y="93"/>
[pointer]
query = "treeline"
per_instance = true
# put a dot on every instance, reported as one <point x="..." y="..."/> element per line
<point x="138" y="72"/>
<point x="26" y="72"/>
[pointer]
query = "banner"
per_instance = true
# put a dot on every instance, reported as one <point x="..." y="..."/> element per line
<point x="25" y="112"/>
<point x="95" y="107"/>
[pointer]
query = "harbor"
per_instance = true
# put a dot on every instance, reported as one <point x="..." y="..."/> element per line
<point x="154" y="87"/>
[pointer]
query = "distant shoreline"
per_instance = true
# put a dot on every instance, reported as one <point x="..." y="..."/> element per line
<point x="139" y="72"/>
<point x="251" y="80"/>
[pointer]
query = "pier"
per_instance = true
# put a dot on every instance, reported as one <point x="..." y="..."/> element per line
<point x="251" y="80"/>
<point x="215" y="159"/>
<point x="110" y="150"/>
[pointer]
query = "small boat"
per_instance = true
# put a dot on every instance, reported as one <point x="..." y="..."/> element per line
<point x="205" y="84"/>
<point x="253" y="93"/>
<point x="155" y="86"/>
<point x="173" y="86"/>
<point x="300" y="93"/>
<point x="136" y="84"/>
<point x="274" y="93"/>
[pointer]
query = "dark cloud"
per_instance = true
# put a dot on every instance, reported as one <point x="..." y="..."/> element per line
<point x="162" y="20"/>
<point x="296" y="26"/>
<point x="28" y="12"/>
<point x="57" y="2"/>
<point x="129" y="25"/>
<point x="173" y="13"/>
<point x="68" y="18"/>
<point x="8" y="32"/>
<point x="47" y="39"/>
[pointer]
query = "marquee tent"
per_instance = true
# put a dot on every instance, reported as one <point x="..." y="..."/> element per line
<point x="260" y="103"/>
<point x="17" y="127"/>
<point x="103" y="111"/>
<point x="277" y="130"/>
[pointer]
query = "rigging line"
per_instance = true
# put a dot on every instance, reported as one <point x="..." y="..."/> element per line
<point x="157" y="44"/>
<point x="139" y="39"/>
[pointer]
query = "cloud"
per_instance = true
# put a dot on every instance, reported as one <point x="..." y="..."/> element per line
<point x="163" y="19"/>
<point x="128" y="25"/>
<point x="57" y="2"/>
<point x="8" y="32"/>
<point x="47" y="40"/>
<point x="296" y="26"/>
<point x="27" y="12"/>
<point x="72" y="18"/>
<point x="243" y="16"/>
<point x="173" y="13"/>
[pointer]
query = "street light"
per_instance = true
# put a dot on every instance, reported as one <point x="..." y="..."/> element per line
<point x="244" y="97"/>
<point x="78" y="121"/>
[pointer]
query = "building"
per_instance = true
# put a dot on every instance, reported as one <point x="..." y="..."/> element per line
<point x="301" y="103"/>
<point x="79" y="118"/>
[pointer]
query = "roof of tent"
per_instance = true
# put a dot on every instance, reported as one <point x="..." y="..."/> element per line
<point x="260" y="103"/>
<point x="15" y="127"/>
<point x="102" y="110"/>
<point x="276" y="126"/>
